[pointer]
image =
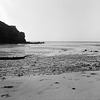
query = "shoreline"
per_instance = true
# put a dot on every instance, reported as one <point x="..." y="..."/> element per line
<point x="48" y="65"/>
<point x="50" y="74"/>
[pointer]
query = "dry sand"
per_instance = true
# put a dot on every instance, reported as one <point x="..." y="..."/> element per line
<point x="68" y="86"/>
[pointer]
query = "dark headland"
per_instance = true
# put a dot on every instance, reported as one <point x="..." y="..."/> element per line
<point x="11" y="35"/>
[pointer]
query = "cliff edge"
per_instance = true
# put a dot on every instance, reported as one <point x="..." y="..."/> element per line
<point x="10" y="34"/>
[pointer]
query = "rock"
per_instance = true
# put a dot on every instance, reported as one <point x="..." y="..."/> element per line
<point x="8" y="86"/>
<point x="34" y="42"/>
<point x="93" y="73"/>
<point x="57" y="83"/>
<point x="3" y="78"/>
<point x="85" y="50"/>
<point x="10" y="34"/>
<point x="74" y="88"/>
<point x="6" y="95"/>
<point x="96" y="51"/>
<point x="12" y="58"/>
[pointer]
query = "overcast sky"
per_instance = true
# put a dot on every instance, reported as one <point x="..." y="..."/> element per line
<point x="54" y="20"/>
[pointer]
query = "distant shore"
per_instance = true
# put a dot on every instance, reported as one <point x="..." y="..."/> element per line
<point x="28" y="42"/>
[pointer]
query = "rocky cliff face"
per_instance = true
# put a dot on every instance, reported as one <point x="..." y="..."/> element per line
<point x="10" y="34"/>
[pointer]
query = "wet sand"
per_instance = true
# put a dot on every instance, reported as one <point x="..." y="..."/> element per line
<point x="50" y="74"/>
<point x="68" y="86"/>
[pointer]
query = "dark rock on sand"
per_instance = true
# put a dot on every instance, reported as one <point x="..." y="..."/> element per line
<point x="57" y="83"/>
<point x="10" y="34"/>
<point x="74" y="88"/>
<point x="96" y="51"/>
<point x="8" y="86"/>
<point x="85" y="50"/>
<point x="5" y="95"/>
<point x="12" y="58"/>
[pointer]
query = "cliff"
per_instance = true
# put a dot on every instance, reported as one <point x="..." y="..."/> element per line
<point x="10" y="34"/>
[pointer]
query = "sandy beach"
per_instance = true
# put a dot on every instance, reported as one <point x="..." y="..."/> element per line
<point x="50" y="73"/>
<point x="68" y="86"/>
<point x="49" y="49"/>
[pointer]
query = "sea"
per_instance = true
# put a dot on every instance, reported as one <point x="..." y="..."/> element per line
<point x="51" y="48"/>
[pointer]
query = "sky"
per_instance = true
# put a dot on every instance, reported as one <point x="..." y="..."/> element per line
<point x="54" y="20"/>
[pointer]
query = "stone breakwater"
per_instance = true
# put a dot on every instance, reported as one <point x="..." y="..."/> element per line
<point x="53" y="65"/>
